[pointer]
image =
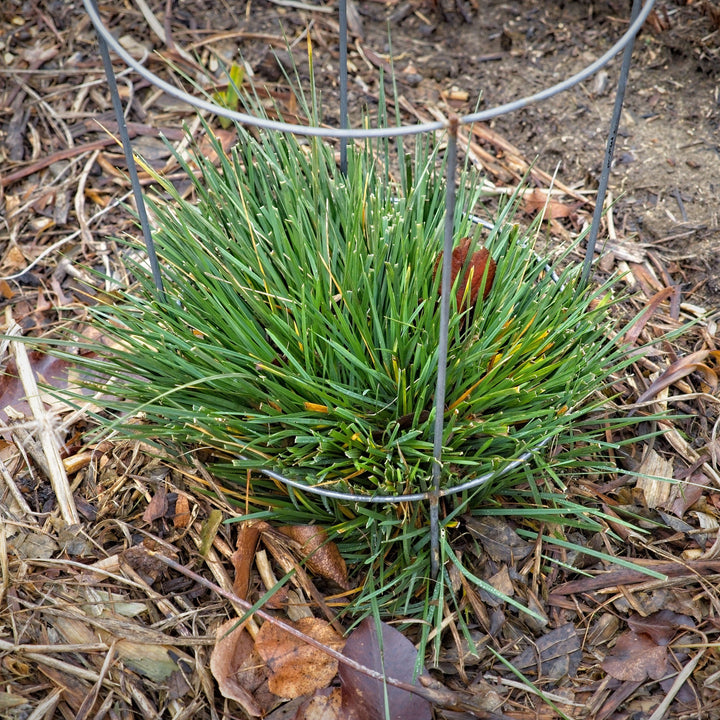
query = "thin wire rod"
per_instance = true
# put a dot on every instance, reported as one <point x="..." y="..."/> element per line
<point x="609" y="152"/>
<point x="396" y="131"/>
<point x="445" y="290"/>
<point x="132" y="168"/>
<point x="344" y="124"/>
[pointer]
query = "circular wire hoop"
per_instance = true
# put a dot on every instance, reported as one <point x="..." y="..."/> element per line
<point x="345" y="132"/>
<point x="624" y="44"/>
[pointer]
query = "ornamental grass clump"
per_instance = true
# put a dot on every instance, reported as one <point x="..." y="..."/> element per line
<point x="300" y="324"/>
<point x="298" y="333"/>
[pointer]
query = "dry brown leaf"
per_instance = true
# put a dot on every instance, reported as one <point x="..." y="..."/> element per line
<point x="635" y="658"/>
<point x="237" y="667"/>
<point x="713" y="552"/>
<point x="538" y="201"/>
<point x="558" y="652"/>
<point x="633" y="333"/>
<point x="181" y="519"/>
<point x="323" y="705"/>
<point x="477" y="270"/>
<point x="296" y="668"/>
<point x="501" y="581"/>
<point x="498" y="538"/>
<point x="655" y="479"/>
<point x="242" y="558"/>
<point x="322" y="556"/>
<point x="157" y="507"/>
<point x="74" y="689"/>
<point x="661" y="627"/>
<point x="693" y="488"/>
<point x="680" y="368"/>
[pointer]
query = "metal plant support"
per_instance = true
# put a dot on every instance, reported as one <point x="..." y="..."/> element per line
<point x="639" y="14"/>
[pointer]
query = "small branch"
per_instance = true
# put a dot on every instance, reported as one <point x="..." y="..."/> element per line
<point x="48" y="440"/>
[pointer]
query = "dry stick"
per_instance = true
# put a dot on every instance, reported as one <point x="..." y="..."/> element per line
<point x="85" y="233"/>
<point x="443" y="698"/>
<point x="134" y="129"/>
<point x="92" y="696"/>
<point x="4" y="565"/>
<point x="58" y="477"/>
<point x="59" y="648"/>
<point x="29" y="447"/>
<point x="217" y="568"/>
<point x="46" y="708"/>
<point x="49" y="660"/>
<point x="48" y="160"/>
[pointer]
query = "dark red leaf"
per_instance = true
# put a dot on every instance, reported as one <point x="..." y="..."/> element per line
<point x="393" y="655"/>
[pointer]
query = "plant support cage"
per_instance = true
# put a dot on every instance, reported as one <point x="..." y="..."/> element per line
<point x="624" y="44"/>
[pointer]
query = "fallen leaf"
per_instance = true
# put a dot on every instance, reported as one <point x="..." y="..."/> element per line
<point x="538" y="201"/>
<point x="242" y="558"/>
<point x="660" y="626"/>
<point x="635" y="658"/>
<point x="559" y="652"/>
<point x="655" y="478"/>
<point x="51" y="371"/>
<point x="693" y="488"/>
<point x="157" y="507"/>
<point x="151" y="661"/>
<point x="392" y="655"/>
<point x="236" y="666"/>
<point x="181" y="519"/>
<point x="325" y="704"/>
<point x="74" y="689"/>
<point x="641" y="320"/>
<point x="680" y="368"/>
<point x="322" y="556"/>
<point x="473" y="271"/>
<point x="498" y="538"/>
<point x="295" y="667"/>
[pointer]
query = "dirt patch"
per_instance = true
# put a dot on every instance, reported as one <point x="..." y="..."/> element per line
<point x="666" y="169"/>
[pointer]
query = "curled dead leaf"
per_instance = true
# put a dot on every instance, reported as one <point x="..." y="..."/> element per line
<point x="236" y="666"/>
<point x="322" y="556"/>
<point x="243" y="557"/>
<point x="683" y="366"/>
<point x="296" y="668"/>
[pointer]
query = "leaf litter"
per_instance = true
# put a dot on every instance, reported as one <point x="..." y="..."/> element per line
<point x="87" y="612"/>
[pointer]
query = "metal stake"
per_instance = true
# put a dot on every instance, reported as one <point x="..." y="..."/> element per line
<point x="609" y="151"/>
<point x="343" y="84"/>
<point x="132" y="169"/>
<point x="445" y="289"/>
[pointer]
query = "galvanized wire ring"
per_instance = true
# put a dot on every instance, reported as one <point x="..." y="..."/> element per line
<point x="396" y="131"/>
<point x="638" y="18"/>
